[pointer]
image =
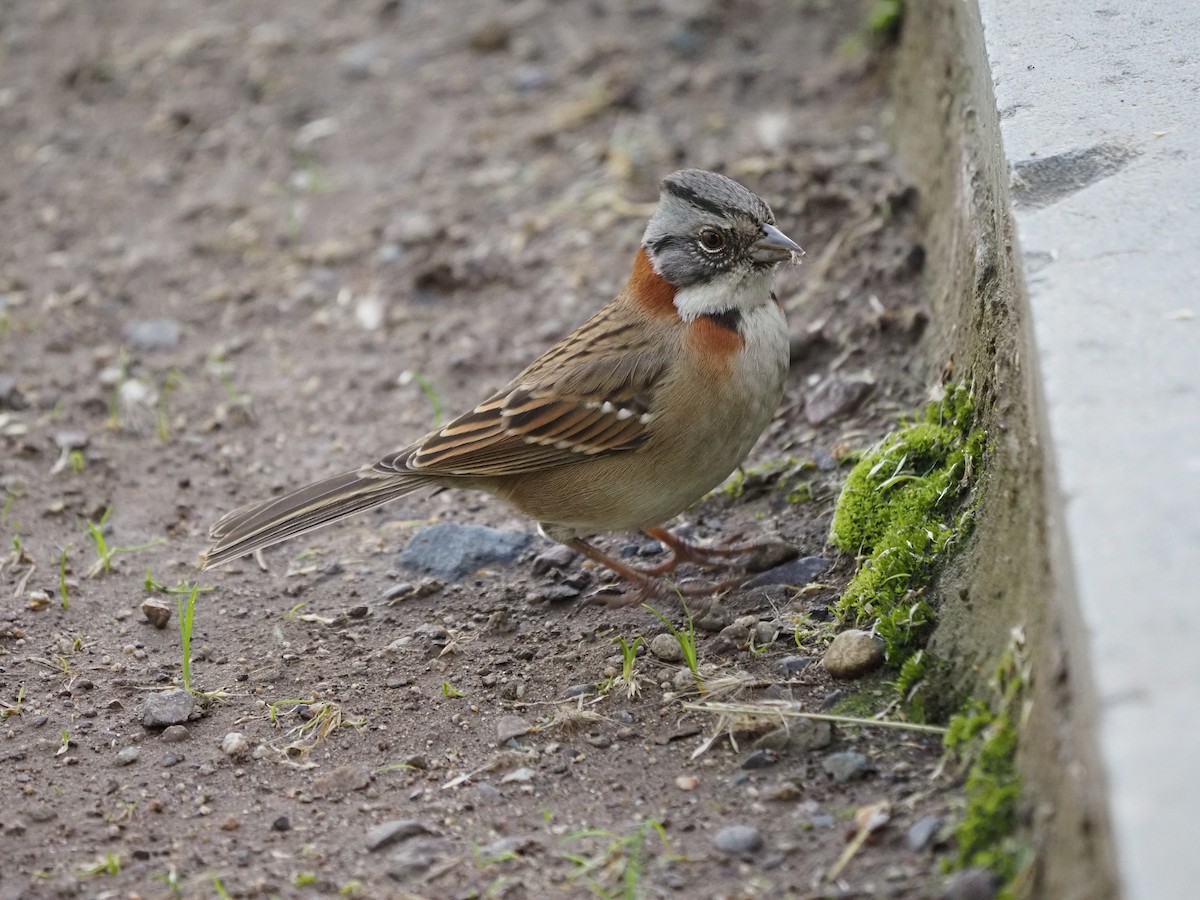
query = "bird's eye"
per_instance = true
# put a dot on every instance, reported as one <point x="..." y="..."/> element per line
<point x="712" y="241"/>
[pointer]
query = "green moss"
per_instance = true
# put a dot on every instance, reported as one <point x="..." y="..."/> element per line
<point x="984" y="737"/>
<point x="860" y="705"/>
<point x="901" y="507"/>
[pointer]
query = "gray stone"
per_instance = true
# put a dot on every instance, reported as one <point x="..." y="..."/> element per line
<point x="173" y="734"/>
<point x="387" y="833"/>
<point x="553" y="593"/>
<point x="846" y="765"/>
<point x="157" y="612"/>
<point x="530" y="78"/>
<point x="791" y="666"/>
<point x="235" y="744"/>
<point x="798" y="736"/>
<point x="342" y="780"/>
<point x="760" y="759"/>
<point x="356" y="62"/>
<point x="10" y="397"/>
<point x="523" y="775"/>
<point x="798" y="572"/>
<point x="403" y="589"/>
<point x="412" y="227"/>
<point x="713" y="619"/>
<point x="127" y="756"/>
<point x="835" y="396"/>
<point x="510" y="727"/>
<point x="666" y="648"/>
<point x="416" y="858"/>
<point x="738" y="840"/>
<point x="164" y="708"/>
<point x="736" y="634"/>
<point x="921" y="834"/>
<point x="451" y="551"/>
<point x="71" y="440"/>
<point x="559" y="556"/>
<point x="490" y="36"/>
<point x="971" y="884"/>
<point x="853" y="653"/>
<point x="153" y="334"/>
<point x="766" y="633"/>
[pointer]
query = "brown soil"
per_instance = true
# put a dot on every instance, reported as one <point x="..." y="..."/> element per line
<point x="327" y="198"/>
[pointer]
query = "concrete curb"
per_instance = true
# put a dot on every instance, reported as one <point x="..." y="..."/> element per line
<point x="1058" y="148"/>
<point x="1100" y="121"/>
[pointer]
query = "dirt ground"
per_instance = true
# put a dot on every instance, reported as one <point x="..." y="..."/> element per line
<point x="244" y="246"/>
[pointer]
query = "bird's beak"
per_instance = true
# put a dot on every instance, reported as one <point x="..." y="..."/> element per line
<point x="774" y="246"/>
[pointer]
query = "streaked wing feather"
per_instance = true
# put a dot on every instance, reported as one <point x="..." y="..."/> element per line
<point x="573" y="402"/>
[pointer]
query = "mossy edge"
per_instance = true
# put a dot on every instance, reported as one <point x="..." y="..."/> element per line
<point x="905" y="507"/>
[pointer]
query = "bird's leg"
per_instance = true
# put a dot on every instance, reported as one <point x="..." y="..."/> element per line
<point x="754" y="557"/>
<point x="645" y="583"/>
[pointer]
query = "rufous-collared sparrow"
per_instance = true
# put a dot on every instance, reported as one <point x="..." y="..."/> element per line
<point x="623" y="424"/>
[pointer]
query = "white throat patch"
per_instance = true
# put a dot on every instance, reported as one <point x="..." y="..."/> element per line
<point x="743" y="290"/>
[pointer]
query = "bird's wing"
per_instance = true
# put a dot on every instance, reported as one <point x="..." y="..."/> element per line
<point x="591" y="395"/>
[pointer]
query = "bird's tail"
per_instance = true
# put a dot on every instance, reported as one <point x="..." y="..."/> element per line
<point x="268" y="522"/>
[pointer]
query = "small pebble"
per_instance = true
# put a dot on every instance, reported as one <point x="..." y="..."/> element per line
<point x="921" y="835"/>
<point x="713" y="619"/>
<point x="71" y="440"/>
<point x="783" y="791"/>
<point x="553" y="593"/>
<point x="450" y="551"/>
<point x="152" y="334"/>
<point x="557" y="557"/>
<point x="760" y="759"/>
<point x="395" y="592"/>
<point x="687" y="782"/>
<point x="157" y="612"/>
<point x="281" y="824"/>
<point x="416" y="857"/>
<point x="765" y="633"/>
<point x="683" y="680"/>
<point x="798" y="736"/>
<point x="736" y="634"/>
<point x="235" y="744"/>
<point x="853" y="653"/>
<point x="846" y="765"/>
<point x="738" y="840"/>
<point x="163" y="708"/>
<point x="510" y="727"/>
<point x="791" y="666"/>
<point x="518" y="776"/>
<point x="356" y="61"/>
<point x="392" y="831"/>
<point x="342" y="780"/>
<point x="127" y="756"/>
<point x="798" y="572"/>
<point x="489" y="36"/>
<point x="971" y="884"/>
<point x="666" y="648"/>
<point x="835" y="396"/>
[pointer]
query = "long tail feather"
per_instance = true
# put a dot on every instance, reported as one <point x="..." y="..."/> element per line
<point x="269" y="522"/>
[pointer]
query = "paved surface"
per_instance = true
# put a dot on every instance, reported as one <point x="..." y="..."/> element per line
<point x="1100" y="113"/>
